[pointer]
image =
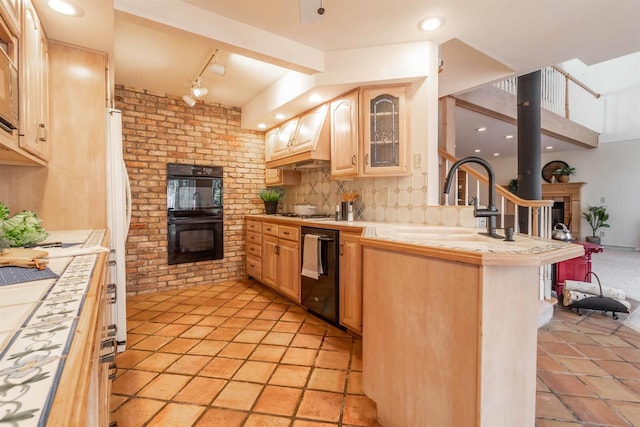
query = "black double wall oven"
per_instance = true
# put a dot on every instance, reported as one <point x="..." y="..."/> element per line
<point x="194" y="213"/>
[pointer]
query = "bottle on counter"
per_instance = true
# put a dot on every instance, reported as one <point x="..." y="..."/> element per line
<point x="350" y="213"/>
<point x="338" y="212"/>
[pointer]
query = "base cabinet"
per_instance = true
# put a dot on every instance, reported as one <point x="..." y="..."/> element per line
<point x="351" y="282"/>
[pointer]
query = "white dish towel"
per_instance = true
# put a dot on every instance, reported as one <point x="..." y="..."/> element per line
<point x="311" y="258"/>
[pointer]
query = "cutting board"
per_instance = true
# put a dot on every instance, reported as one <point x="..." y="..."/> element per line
<point x="20" y="257"/>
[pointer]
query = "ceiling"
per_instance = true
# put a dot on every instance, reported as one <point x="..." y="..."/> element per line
<point x="162" y="45"/>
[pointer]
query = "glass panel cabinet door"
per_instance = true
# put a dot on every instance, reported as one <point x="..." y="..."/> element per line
<point x="385" y="131"/>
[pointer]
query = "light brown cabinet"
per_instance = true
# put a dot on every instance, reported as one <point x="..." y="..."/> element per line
<point x="11" y="12"/>
<point x="369" y="133"/>
<point x="277" y="177"/>
<point x="273" y="256"/>
<point x="34" y="85"/>
<point x="351" y="282"/>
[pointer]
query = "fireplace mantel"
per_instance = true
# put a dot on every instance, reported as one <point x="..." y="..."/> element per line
<point x="570" y="194"/>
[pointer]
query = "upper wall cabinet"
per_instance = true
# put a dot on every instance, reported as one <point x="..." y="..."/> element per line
<point x="11" y="12"/>
<point x="34" y="87"/>
<point x="369" y="133"/>
<point x="299" y="140"/>
<point x="385" y="126"/>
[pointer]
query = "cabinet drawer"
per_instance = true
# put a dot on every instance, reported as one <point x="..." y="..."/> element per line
<point x="254" y="249"/>
<point x="255" y="238"/>
<point x="289" y="233"/>
<point x="253" y="225"/>
<point x="270" y="229"/>
<point x="254" y="267"/>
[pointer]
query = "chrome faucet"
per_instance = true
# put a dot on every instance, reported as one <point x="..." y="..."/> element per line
<point x="492" y="212"/>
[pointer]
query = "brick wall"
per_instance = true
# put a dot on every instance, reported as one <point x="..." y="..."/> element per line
<point x="160" y="129"/>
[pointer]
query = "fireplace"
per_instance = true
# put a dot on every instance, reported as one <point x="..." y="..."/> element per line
<point x="567" y="206"/>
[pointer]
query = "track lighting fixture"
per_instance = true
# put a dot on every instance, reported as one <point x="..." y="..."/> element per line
<point x="196" y="88"/>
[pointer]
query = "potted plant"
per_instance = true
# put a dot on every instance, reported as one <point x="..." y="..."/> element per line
<point x="270" y="197"/>
<point x="562" y="174"/>
<point x="597" y="217"/>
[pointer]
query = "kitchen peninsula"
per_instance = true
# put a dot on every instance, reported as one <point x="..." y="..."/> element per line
<point x="449" y="321"/>
<point x="52" y="353"/>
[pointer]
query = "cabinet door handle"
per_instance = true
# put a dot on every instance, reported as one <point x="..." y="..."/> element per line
<point x="45" y="133"/>
<point x="252" y="266"/>
<point x="341" y="249"/>
<point x="277" y="248"/>
<point x="353" y="160"/>
<point x="366" y="158"/>
<point x="286" y="233"/>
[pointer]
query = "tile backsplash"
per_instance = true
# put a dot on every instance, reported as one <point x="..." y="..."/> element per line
<point x="389" y="199"/>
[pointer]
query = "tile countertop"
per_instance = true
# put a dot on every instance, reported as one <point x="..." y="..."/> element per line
<point x="37" y="321"/>
<point x="456" y="243"/>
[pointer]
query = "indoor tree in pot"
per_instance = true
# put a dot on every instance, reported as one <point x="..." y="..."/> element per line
<point x="597" y="217"/>
<point x="270" y="197"/>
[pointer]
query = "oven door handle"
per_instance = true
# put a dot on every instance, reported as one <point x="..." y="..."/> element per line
<point x="194" y="220"/>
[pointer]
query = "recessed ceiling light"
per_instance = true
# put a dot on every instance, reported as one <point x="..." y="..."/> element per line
<point x="477" y="150"/>
<point x="430" y="24"/>
<point x="549" y="147"/>
<point x="496" y="154"/>
<point x="508" y="136"/>
<point x="482" y="129"/>
<point x="314" y="98"/>
<point x="262" y="126"/>
<point x="65" y="8"/>
<point x="279" y="116"/>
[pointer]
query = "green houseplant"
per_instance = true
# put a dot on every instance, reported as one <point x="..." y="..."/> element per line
<point x="270" y="197"/>
<point x="562" y="174"/>
<point x="597" y="217"/>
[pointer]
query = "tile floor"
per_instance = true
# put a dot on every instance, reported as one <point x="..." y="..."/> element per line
<point x="236" y="354"/>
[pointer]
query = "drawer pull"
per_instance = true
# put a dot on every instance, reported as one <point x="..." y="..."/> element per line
<point x="286" y="233"/>
<point x="252" y="266"/>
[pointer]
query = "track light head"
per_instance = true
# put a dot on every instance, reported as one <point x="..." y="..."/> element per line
<point x="189" y="100"/>
<point x="218" y="69"/>
<point x="198" y="91"/>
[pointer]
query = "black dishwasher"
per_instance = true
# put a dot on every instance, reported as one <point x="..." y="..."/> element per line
<point x="321" y="296"/>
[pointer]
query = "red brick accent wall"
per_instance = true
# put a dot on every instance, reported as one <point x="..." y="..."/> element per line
<point x="160" y="129"/>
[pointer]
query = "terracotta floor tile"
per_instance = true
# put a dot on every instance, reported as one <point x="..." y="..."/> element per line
<point x="236" y="322"/>
<point x="131" y="381"/>
<point x="188" y="364"/>
<point x="565" y="384"/>
<point x="554" y="423"/>
<point x="275" y="306"/>
<point x="559" y="349"/>
<point x="629" y="354"/>
<point x="166" y="318"/>
<point x="172" y="330"/>
<point x="578" y="365"/>
<point x="203" y="310"/>
<point x="610" y="388"/>
<point x="333" y="360"/>
<point x="320" y="405"/>
<point x="116" y="401"/>
<point x="337" y="344"/>
<point x="306" y="341"/>
<point x="183" y="308"/>
<point x="257" y="372"/>
<point x="248" y="313"/>
<point x="300" y="356"/>
<point x="136" y="412"/>
<point x="238" y="395"/>
<point x="290" y="327"/>
<point x="180" y="345"/>
<point x="268" y="353"/>
<point x="226" y="311"/>
<point x="548" y="336"/>
<point x="541" y="386"/>
<point x="359" y="411"/>
<point x="549" y="406"/>
<point x="151" y="343"/>
<point x="610" y="341"/>
<point x="200" y="390"/>
<point x="177" y="414"/>
<point x="278" y="338"/>
<point x="164" y="386"/>
<point x="278" y="400"/>
<point x="356" y="360"/>
<point x="327" y="380"/>
<point x="596" y="352"/>
<point x="591" y="410"/>
<point x="259" y="420"/>
<point x="224" y="334"/>
<point x="213" y="320"/>
<point x="144" y="315"/>
<point x="270" y="315"/>
<point x="221" y="367"/>
<point x="354" y="383"/>
<point x="208" y="347"/>
<point x="304" y="423"/>
<point x="222" y="417"/>
<point x="573" y="337"/>
<point x="148" y="328"/>
<point x="313" y="328"/>
<point x="261" y="325"/>
<point x="197" y="332"/>
<point x="294" y="316"/>
<point x="629" y="410"/>
<point x="550" y="364"/>
<point x="157" y="362"/>
<point x="189" y="319"/>
<point x="237" y="350"/>
<point x="257" y="305"/>
<point x="131" y="358"/>
<point x="632" y="384"/>
<point x="250" y="336"/>
<point x="290" y="376"/>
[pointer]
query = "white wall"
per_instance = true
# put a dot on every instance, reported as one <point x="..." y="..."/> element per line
<point x="612" y="172"/>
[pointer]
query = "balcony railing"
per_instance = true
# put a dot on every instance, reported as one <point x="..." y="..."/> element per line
<point x="558" y="88"/>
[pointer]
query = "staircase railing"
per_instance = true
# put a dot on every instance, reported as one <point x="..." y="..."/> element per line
<point x="537" y="221"/>
<point x="556" y="87"/>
